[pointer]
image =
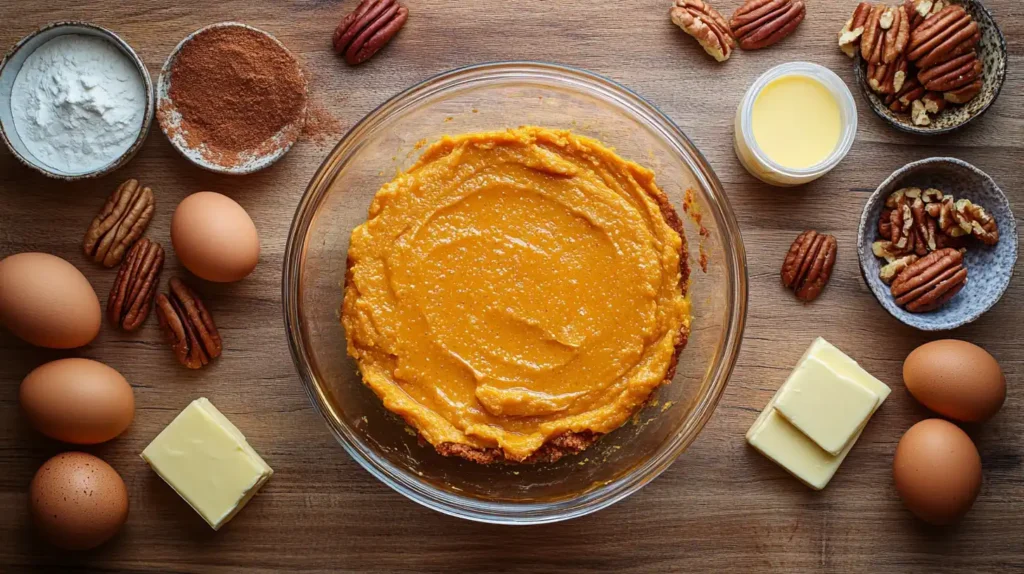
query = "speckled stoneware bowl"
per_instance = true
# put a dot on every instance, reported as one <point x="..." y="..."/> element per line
<point x="991" y="51"/>
<point x="170" y="120"/>
<point x="989" y="269"/>
<point x="11" y="65"/>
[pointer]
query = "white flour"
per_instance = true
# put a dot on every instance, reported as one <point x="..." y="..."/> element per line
<point x="78" y="103"/>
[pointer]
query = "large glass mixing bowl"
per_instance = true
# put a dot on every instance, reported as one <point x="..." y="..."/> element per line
<point x="489" y="97"/>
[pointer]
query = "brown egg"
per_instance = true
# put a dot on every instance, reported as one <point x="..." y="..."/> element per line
<point x="214" y="237"/>
<point x="955" y="379"/>
<point x="937" y="471"/>
<point x="78" y="401"/>
<point x="47" y="301"/>
<point x="77" y="501"/>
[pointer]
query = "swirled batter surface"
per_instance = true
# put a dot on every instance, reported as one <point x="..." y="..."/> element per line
<point x="513" y="286"/>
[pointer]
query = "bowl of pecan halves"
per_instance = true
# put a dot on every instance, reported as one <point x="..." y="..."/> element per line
<point x="937" y="243"/>
<point x="926" y="66"/>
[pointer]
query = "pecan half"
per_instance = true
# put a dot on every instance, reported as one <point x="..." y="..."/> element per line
<point x="850" y="35"/>
<point x="951" y="75"/>
<point x="975" y="220"/>
<point x="368" y="28"/>
<point x="698" y="19"/>
<point x="941" y="34"/>
<point x="890" y="270"/>
<point x="947" y="217"/>
<point x="133" y="290"/>
<point x="123" y="219"/>
<point x="808" y="265"/>
<point x="931" y="281"/>
<point x="904" y="98"/>
<point x="872" y="43"/>
<point x="918" y="10"/>
<point x="964" y="94"/>
<point x="187" y="325"/>
<point x="897" y="36"/>
<point x="887" y="78"/>
<point x="902" y="222"/>
<point x="885" y="224"/>
<point x="885" y="249"/>
<point x="760" y="23"/>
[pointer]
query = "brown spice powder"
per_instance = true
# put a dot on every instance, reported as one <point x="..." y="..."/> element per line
<point x="236" y="89"/>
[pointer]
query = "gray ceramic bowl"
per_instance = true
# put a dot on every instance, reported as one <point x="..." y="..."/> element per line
<point x="989" y="269"/>
<point x="170" y="119"/>
<point x="11" y="65"/>
<point x="991" y="51"/>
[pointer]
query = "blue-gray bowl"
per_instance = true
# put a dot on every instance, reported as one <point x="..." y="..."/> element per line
<point x="989" y="269"/>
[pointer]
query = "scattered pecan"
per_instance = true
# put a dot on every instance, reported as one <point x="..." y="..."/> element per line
<point x="123" y="219"/>
<point x="931" y="281"/>
<point x="368" y="28"/>
<point x="760" y="23"/>
<point x="808" y="265"/>
<point x="136" y="283"/>
<point x="850" y="35"/>
<point x="698" y="19"/>
<point x="187" y="325"/>
<point x="974" y="220"/>
<point x="942" y="34"/>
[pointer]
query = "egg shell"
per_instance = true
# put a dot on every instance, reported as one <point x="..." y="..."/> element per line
<point x="214" y="237"/>
<point x="937" y="471"/>
<point x="955" y="379"/>
<point x="47" y="301"/>
<point x="79" y="401"/>
<point x="77" y="501"/>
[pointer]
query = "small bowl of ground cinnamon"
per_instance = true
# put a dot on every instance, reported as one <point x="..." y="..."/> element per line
<point x="231" y="98"/>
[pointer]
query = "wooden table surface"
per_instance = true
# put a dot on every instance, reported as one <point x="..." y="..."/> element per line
<point x="720" y="507"/>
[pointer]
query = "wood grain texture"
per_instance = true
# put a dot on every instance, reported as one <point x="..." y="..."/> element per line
<point x="720" y="507"/>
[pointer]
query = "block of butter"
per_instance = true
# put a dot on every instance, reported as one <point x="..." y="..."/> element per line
<point x="775" y="435"/>
<point x="208" y="462"/>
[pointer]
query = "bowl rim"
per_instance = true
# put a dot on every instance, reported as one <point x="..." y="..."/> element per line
<point x="259" y="163"/>
<point x="147" y="118"/>
<point x="504" y="512"/>
<point x="866" y="230"/>
<point x="869" y="97"/>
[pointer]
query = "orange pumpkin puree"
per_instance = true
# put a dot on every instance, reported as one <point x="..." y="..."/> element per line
<point x="515" y="285"/>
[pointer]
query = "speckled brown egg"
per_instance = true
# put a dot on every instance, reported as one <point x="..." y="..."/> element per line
<point x="937" y="471"/>
<point x="955" y="379"/>
<point x="47" y="301"/>
<point x="214" y="237"/>
<point x="80" y="401"/>
<point x="77" y="501"/>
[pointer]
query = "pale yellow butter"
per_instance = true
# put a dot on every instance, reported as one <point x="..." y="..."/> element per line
<point x="787" y="446"/>
<point x="208" y="462"/>
<point x="824" y="405"/>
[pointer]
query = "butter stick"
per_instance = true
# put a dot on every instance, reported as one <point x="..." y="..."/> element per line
<point x="208" y="462"/>
<point x="785" y="444"/>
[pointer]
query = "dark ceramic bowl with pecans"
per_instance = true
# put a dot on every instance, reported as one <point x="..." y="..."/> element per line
<point x="991" y="52"/>
<point x="989" y="267"/>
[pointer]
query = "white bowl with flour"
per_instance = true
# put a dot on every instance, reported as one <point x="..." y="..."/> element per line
<point x="75" y="101"/>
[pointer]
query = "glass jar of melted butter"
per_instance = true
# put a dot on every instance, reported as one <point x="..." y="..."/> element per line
<point x="795" y="124"/>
